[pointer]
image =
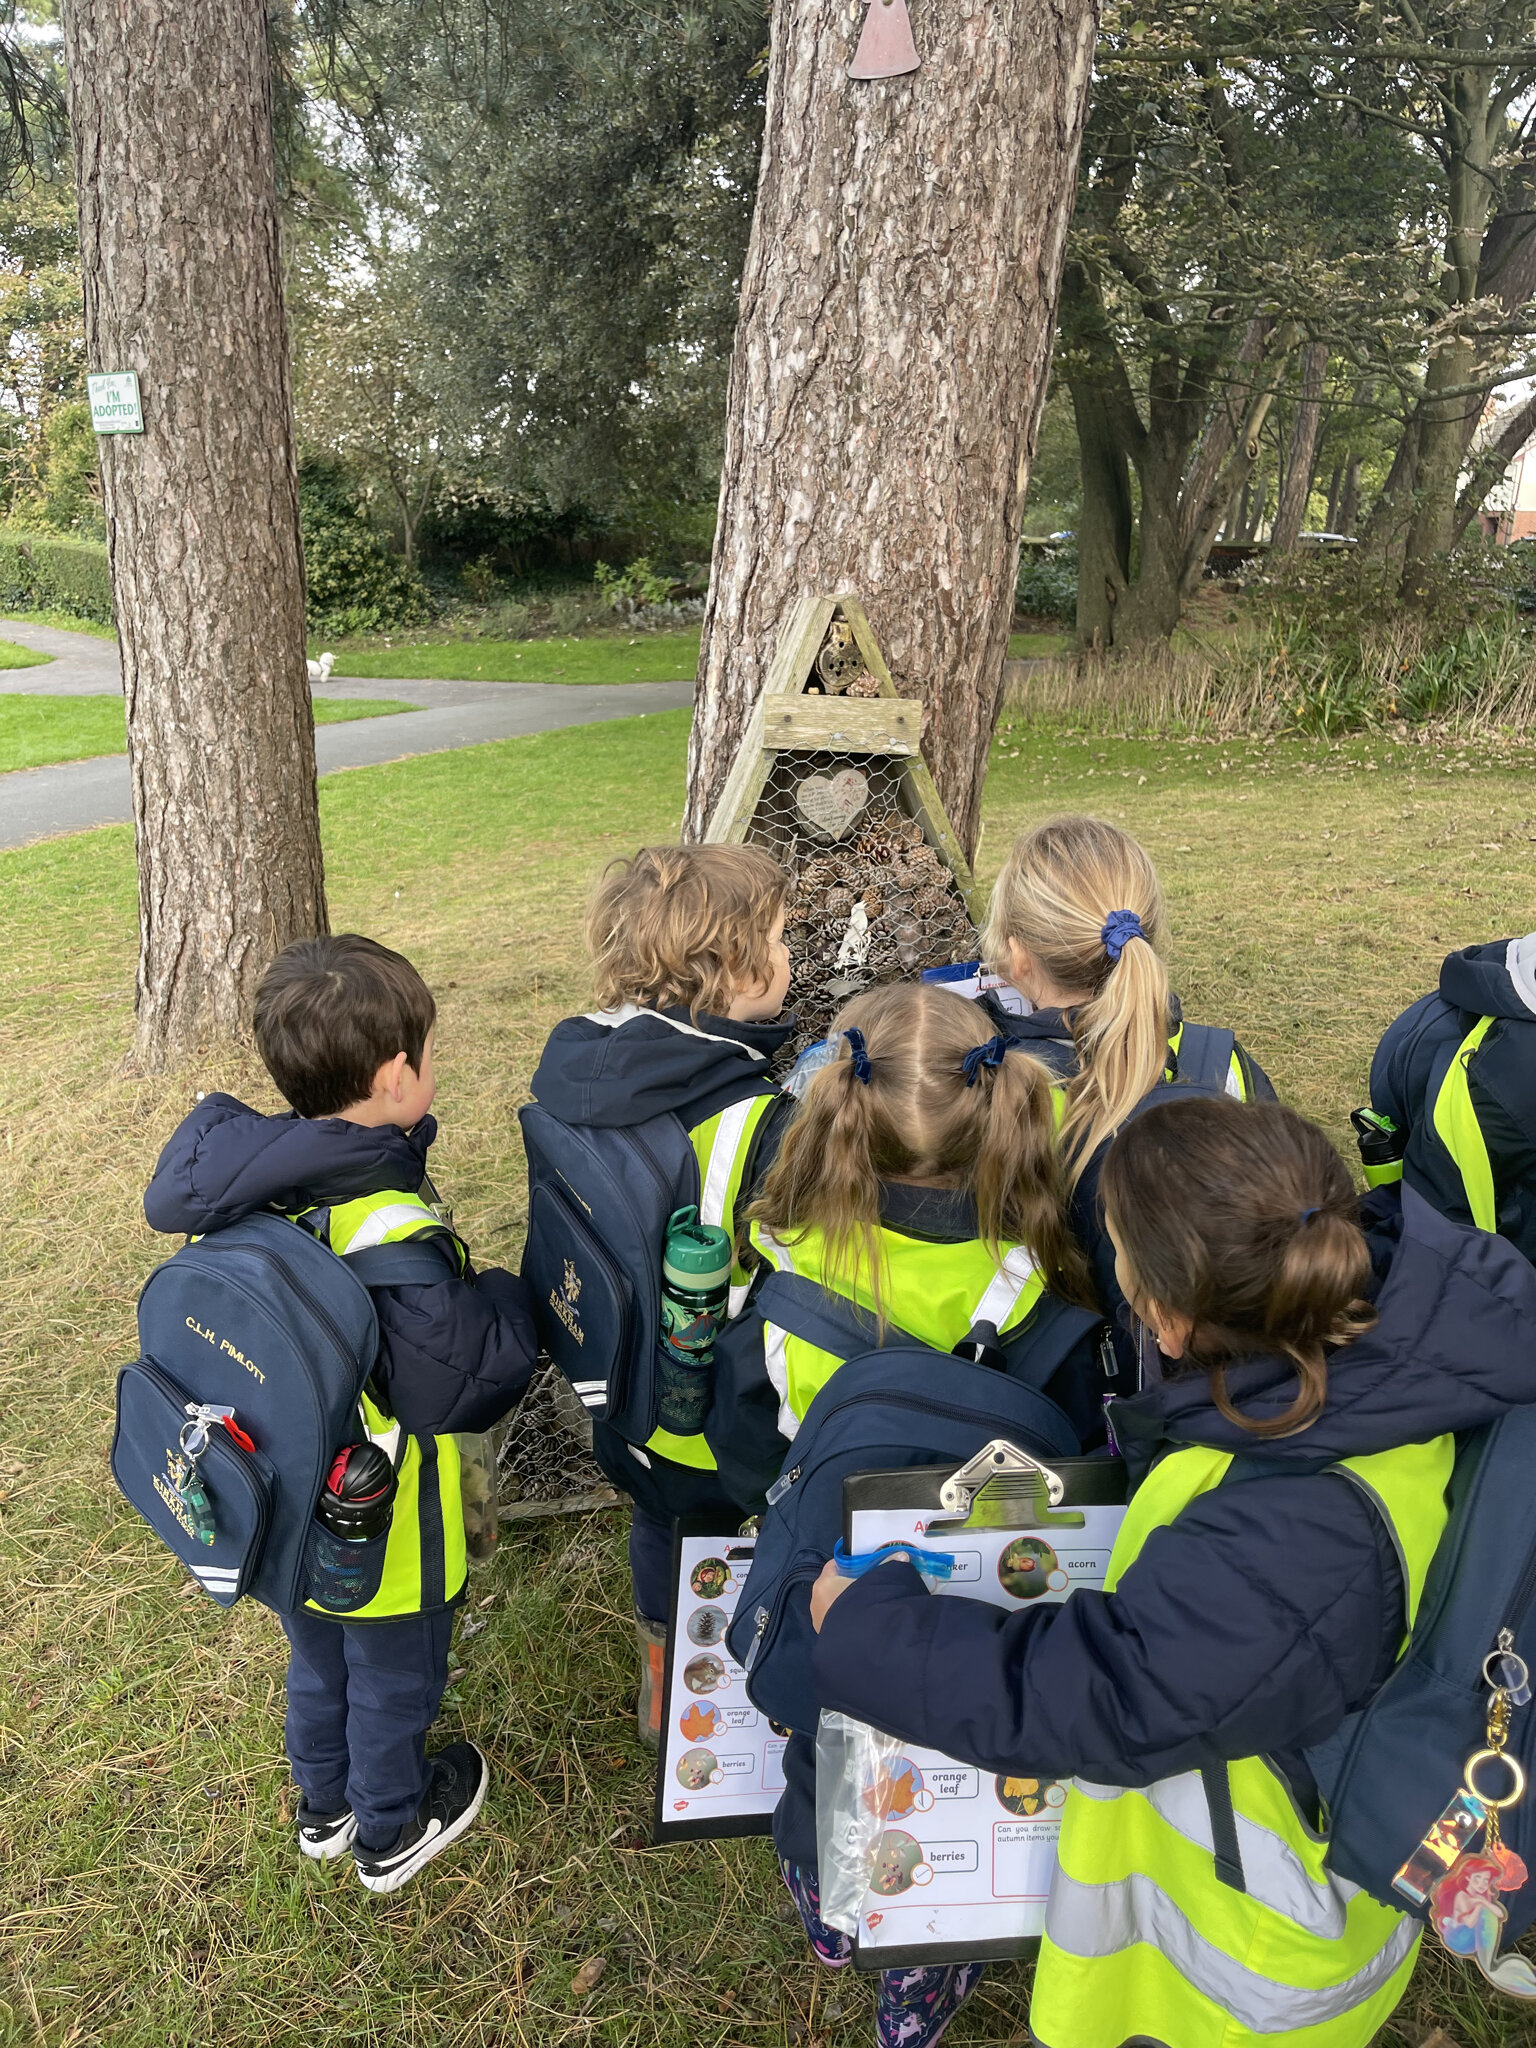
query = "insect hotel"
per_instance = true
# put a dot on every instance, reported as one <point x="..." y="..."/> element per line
<point x="831" y="780"/>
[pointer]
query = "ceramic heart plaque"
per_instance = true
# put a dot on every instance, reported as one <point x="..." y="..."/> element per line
<point x="832" y="802"/>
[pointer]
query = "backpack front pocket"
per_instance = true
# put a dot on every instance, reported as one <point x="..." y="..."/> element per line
<point x="212" y="1508"/>
<point x="583" y="1302"/>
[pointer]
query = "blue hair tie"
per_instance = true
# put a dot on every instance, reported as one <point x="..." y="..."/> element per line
<point x="1119" y="928"/>
<point x="989" y="1055"/>
<point x="1308" y="1214"/>
<point x="858" y="1054"/>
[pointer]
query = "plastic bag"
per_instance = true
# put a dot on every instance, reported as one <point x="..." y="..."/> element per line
<point x="478" y="1493"/>
<point x="855" y="1792"/>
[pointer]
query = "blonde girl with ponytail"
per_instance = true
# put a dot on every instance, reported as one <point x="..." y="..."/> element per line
<point x="1077" y="925"/>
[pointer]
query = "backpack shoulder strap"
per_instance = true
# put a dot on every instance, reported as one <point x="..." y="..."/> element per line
<point x="1204" y="1055"/>
<point x="815" y="1314"/>
<point x="1035" y="1351"/>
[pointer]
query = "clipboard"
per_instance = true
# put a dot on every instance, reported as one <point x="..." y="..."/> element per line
<point x="720" y="1769"/>
<point x="964" y="1863"/>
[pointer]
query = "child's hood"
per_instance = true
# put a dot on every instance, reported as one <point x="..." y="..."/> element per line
<point x="1493" y="981"/>
<point x="1450" y="1350"/>
<point x="227" y="1160"/>
<point x="613" y="1068"/>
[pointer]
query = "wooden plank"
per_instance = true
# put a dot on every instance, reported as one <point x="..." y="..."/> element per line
<point x="843" y="725"/>
<point x="732" y="814"/>
<point x="922" y="798"/>
<point x="852" y="610"/>
<point x="799" y="644"/>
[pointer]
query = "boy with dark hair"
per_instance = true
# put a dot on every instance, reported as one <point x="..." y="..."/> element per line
<point x="345" y="1027"/>
<point x="1456" y="1076"/>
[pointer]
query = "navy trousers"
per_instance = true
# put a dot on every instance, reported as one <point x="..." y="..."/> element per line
<point x="361" y="1698"/>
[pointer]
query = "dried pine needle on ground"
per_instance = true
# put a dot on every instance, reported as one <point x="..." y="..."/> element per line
<point x="153" y="1897"/>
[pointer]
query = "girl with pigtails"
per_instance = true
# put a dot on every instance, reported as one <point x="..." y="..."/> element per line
<point x="921" y="1182"/>
<point x="1077" y="925"/>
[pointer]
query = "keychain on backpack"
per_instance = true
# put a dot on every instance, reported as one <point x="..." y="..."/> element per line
<point x="1459" y="1884"/>
<point x="185" y="1477"/>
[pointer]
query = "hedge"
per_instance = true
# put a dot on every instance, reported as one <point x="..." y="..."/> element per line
<point x="47" y="572"/>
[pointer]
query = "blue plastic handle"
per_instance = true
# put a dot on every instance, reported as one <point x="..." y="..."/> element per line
<point x="933" y="1564"/>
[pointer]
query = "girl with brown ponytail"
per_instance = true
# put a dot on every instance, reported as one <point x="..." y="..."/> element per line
<point x="1311" y="1364"/>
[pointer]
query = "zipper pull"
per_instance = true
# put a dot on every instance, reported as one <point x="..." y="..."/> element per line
<point x="761" y="1618"/>
<point x="1508" y="1672"/>
<point x="781" y="1485"/>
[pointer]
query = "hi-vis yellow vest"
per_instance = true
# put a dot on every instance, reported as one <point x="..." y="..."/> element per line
<point x="722" y="1144"/>
<point x="1457" y="1128"/>
<point x="1143" y="1940"/>
<point x="936" y="1291"/>
<point x="425" y="1565"/>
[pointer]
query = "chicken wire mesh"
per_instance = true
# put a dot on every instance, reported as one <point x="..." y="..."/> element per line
<point x="872" y="901"/>
<point x="545" y="1461"/>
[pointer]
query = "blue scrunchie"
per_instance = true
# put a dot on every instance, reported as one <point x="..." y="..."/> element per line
<point x="989" y="1055"/>
<point x="858" y="1054"/>
<point x="1120" y="927"/>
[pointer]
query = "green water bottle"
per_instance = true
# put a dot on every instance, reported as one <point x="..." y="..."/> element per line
<point x="695" y="1287"/>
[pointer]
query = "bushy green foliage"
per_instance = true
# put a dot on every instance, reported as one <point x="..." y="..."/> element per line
<point x="47" y="572"/>
<point x="631" y="588"/>
<point x="65" y="496"/>
<point x="355" y="585"/>
<point x="1047" y="586"/>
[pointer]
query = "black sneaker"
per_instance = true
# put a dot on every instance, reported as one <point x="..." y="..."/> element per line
<point x="324" y="1836"/>
<point x="460" y="1778"/>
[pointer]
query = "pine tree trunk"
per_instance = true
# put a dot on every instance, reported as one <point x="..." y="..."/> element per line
<point x="171" y="110"/>
<point x="897" y="308"/>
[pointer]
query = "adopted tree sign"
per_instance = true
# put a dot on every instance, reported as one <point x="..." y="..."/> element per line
<point x="115" y="402"/>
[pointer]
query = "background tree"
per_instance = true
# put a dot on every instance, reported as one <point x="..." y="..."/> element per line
<point x="890" y="363"/>
<point x="171" y="111"/>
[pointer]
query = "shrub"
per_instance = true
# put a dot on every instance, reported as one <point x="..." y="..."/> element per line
<point x="66" y="495"/>
<point x="47" y="572"/>
<point x="355" y="585"/>
<point x="1047" y="585"/>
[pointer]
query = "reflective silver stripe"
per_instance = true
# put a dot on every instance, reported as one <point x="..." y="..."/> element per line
<point x="388" y="1440"/>
<point x="598" y="1400"/>
<point x="1005" y="1287"/>
<point x="377" y="1225"/>
<point x="1272" y="1871"/>
<point x="1234" y="1079"/>
<point x="639" y="1456"/>
<point x="589" y="1386"/>
<point x="776" y="1341"/>
<point x="216" y="1574"/>
<point x="729" y="1133"/>
<point x="627" y="1012"/>
<point x="737" y="1299"/>
<point x="1100" y="1920"/>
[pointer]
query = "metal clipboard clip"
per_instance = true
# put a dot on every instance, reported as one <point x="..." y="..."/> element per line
<point x="1016" y="1489"/>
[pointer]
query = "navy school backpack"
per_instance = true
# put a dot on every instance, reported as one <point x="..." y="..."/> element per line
<point x="598" y="1204"/>
<point x="266" y="1331"/>
<point x="1392" y="1768"/>
<point x="896" y="1403"/>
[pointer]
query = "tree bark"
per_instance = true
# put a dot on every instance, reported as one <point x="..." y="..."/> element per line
<point x="1301" y="457"/>
<point x="171" y="111"/>
<point x="897" y="308"/>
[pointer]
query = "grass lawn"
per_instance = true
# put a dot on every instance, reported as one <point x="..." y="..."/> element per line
<point x="1031" y="646"/>
<point x="600" y="658"/>
<point x="37" y="730"/>
<point x="12" y="656"/>
<point x="153" y="1897"/>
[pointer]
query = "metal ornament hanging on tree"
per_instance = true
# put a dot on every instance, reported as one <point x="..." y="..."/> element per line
<point x="886" y="48"/>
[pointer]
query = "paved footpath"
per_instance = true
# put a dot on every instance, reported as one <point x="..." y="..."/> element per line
<point x="74" y="796"/>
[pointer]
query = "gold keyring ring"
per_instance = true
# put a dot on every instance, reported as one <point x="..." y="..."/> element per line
<point x="1510" y="1764"/>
